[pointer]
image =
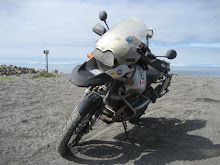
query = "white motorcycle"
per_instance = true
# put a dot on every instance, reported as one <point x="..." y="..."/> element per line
<point x="122" y="77"/>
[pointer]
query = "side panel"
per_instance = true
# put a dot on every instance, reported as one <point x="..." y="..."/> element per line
<point x="140" y="81"/>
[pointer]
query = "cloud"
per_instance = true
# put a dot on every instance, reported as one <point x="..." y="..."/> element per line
<point x="66" y="22"/>
<point x="189" y="44"/>
<point x="29" y="26"/>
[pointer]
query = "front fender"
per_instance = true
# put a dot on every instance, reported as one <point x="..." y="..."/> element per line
<point x="88" y="103"/>
<point x="82" y="77"/>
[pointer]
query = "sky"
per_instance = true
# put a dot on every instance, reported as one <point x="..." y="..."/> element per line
<point x="64" y="27"/>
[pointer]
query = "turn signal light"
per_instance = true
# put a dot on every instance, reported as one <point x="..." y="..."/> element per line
<point x="90" y="56"/>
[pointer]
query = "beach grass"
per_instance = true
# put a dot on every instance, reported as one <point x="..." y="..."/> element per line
<point x="43" y="74"/>
<point x="2" y="78"/>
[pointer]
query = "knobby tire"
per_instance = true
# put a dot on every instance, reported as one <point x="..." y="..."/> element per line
<point x="71" y="128"/>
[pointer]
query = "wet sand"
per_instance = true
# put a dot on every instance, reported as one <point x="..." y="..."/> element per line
<point x="180" y="128"/>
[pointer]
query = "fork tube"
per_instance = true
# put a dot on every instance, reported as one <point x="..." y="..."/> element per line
<point x="109" y="92"/>
<point x="87" y="91"/>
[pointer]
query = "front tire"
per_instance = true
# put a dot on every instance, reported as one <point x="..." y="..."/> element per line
<point x="68" y="131"/>
<point x="79" y="122"/>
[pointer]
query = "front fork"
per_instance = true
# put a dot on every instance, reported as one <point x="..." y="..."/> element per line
<point x="87" y="91"/>
<point x="90" y="100"/>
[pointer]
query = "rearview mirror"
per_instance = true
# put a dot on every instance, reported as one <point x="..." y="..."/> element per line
<point x="150" y="33"/>
<point x="171" y="54"/>
<point x="103" y="16"/>
<point x="99" y="29"/>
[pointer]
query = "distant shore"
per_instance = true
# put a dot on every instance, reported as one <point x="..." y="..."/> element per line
<point x="180" y="70"/>
<point x="197" y="71"/>
<point x="7" y="70"/>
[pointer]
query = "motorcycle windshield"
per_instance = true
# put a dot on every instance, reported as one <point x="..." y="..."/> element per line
<point x="122" y="40"/>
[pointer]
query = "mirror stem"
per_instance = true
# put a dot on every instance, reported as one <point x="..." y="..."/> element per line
<point x="106" y="25"/>
<point x="147" y="38"/>
<point x="161" y="56"/>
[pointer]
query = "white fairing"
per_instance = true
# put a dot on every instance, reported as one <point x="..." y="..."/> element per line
<point x="119" y="71"/>
<point x="123" y="40"/>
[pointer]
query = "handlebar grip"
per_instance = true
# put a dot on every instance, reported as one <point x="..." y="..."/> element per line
<point x="150" y="55"/>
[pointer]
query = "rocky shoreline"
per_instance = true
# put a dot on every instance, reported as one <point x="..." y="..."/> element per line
<point x="6" y="70"/>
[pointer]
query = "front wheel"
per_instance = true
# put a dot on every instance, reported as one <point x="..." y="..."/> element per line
<point x="82" y="119"/>
<point x="73" y="131"/>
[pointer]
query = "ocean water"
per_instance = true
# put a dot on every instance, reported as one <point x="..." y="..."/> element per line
<point x="197" y="71"/>
<point x="187" y="71"/>
<point x="65" y="68"/>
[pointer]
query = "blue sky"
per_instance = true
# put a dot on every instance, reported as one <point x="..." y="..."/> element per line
<point x="191" y="27"/>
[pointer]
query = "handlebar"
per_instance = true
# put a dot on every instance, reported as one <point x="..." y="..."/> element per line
<point x="148" y="57"/>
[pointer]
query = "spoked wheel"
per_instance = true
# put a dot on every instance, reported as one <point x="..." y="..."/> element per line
<point x="73" y="131"/>
<point x="82" y="128"/>
<point x="81" y="121"/>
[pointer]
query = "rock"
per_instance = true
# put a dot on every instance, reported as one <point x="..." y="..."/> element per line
<point x="32" y="70"/>
<point x="40" y="70"/>
<point x="18" y="71"/>
<point x="15" y="70"/>
<point x="55" y="71"/>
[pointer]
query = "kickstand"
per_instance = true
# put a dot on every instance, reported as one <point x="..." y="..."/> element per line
<point x="125" y="127"/>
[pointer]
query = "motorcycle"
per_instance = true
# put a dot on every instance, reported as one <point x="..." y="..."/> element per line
<point x="122" y="77"/>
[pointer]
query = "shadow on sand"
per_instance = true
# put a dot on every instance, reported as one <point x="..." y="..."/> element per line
<point x="152" y="141"/>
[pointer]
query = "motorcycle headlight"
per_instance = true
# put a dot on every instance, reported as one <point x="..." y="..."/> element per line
<point x="107" y="58"/>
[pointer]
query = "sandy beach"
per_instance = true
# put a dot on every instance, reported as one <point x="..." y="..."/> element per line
<point x="183" y="127"/>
